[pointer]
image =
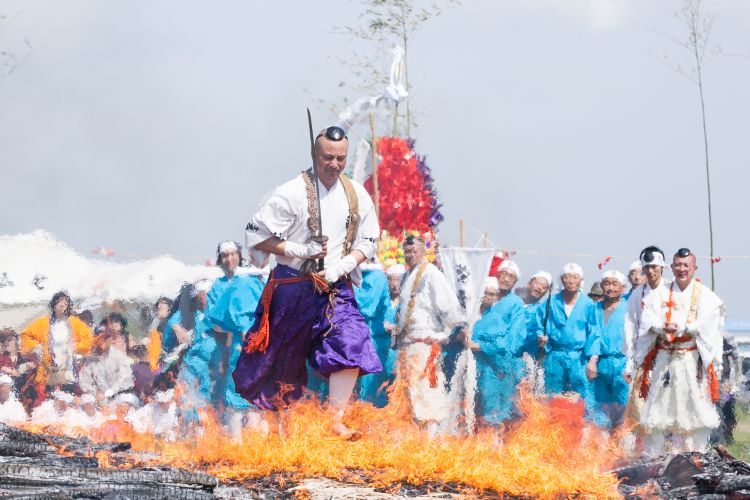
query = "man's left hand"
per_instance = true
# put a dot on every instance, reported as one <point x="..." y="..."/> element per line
<point x="591" y="372"/>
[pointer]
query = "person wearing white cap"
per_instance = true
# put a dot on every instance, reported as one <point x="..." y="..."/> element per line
<point x="56" y="412"/>
<point x="652" y="265"/>
<point x="12" y="411"/>
<point x="635" y="277"/>
<point x="538" y="286"/>
<point x="496" y="341"/>
<point x="679" y="348"/>
<point x="571" y="346"/>
<point x="610" y="385"/>
<point x="159" y="417"/>
<point x="428" y="314"/>
<point x="89" y="416"/>
<point x="211" y="358"/>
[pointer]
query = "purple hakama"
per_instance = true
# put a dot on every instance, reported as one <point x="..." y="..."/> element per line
<point x="298" y="326"/>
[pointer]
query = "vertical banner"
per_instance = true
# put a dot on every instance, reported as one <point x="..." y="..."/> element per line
<point x="465" y="269"/>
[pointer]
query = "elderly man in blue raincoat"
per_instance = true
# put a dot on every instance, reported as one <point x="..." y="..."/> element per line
<point x="571" y="345"/>
<point x="496" y="341"/>
<point x="608" y="318"/>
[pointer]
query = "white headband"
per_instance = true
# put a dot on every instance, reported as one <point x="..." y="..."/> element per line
<point x="543" y="275"/>
<point x="612" y="273"/>
<point x="572" y="268"/>
<point x="658" y="260"/>
<point x="396" y="270"/>
<point x="5" y="379"/>
<point x="491" y="283"/>
<point x="635" y="265"/>
<point x="228" y="246"/>
<point x="510" y="266"/>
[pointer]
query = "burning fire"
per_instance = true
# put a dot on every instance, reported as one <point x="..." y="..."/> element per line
<point x="550" y="452"/>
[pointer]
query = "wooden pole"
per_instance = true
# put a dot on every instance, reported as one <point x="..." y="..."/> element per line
<point x="485" y="240"/>
<point x="461" y="232"/>
<point x="374" y="156"/>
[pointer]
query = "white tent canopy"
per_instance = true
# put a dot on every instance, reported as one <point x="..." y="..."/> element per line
<point x="36" y="265"/>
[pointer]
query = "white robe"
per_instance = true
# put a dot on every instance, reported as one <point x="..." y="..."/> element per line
<point x="284" y="215"/>
<point x="677" y="401"/>
<point x="110" y="374"/>
<point x="633" y="321"/>
<point x="436" y="312"/>
<point x="12" y="412"/>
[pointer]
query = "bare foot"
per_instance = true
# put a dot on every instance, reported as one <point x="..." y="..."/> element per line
<point x="346" y="433"/>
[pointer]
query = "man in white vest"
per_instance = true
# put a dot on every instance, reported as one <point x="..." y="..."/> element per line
<point x="679" y="349"/>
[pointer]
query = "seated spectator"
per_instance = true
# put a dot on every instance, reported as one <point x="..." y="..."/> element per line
<point x="159" y="417"/>
<point x="57" y="342"/>
<point x="15" y="366"/>
<point x="110" y="372"/>
<point x="12" y="411"/>
<point x="143" y="376"/>
<point x="91" y="417"/>
<point x="56" y="412"/>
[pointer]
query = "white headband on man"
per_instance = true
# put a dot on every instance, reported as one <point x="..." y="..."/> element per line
<point x="657" y="260"/>
<point x="490" y="282"/>
<point x="612" y="273"/>
<point x="509" y="265"/>
<point x="635" y="266"/>
<point x="572" y="268"/>
<point x="229" y="246"/>
<point x="5" y="380"/>
<point x="544" y="275"/>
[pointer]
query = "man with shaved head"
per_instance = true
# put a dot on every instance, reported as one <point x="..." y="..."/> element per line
<point x="679" y="348"/>
<point x="306" y="314"/>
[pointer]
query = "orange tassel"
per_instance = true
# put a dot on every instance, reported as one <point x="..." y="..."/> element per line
<point x="648" y="365"/>
<point x="259" y="340"/>
<point x="713" y="383"/>
<point x="430" y="369"/>
<point x="154" y="349"/>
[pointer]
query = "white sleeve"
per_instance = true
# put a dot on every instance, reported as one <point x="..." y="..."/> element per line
<point x="274" y="218"/>
<point x="629" y="333"/>
<point x="710" y="330"/>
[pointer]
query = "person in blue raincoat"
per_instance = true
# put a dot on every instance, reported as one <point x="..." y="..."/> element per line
<point x="571" y="345"/>
<point x="538" y="286"/>
<point x="373" y="299"/>
<point x="496" y="341"/>
<point x="608" y="317"/>
<point x="210" y="360"/>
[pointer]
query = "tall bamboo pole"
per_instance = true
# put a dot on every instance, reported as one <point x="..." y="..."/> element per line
<point x="374" y="156"/>
<point x="461" y="232"/>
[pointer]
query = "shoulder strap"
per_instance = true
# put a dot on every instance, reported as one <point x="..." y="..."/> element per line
<point x="694" y="299"/>
<point x="413" y="296"/>
<point x="352" y="222"/>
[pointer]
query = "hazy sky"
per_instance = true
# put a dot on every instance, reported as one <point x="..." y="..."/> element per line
<point x="156" y="126"/>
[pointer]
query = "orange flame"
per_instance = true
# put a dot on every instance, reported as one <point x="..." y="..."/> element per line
<point x="550" y="452"/>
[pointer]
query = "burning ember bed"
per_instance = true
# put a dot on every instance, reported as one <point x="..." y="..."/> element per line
<point x="550" y="453"/>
